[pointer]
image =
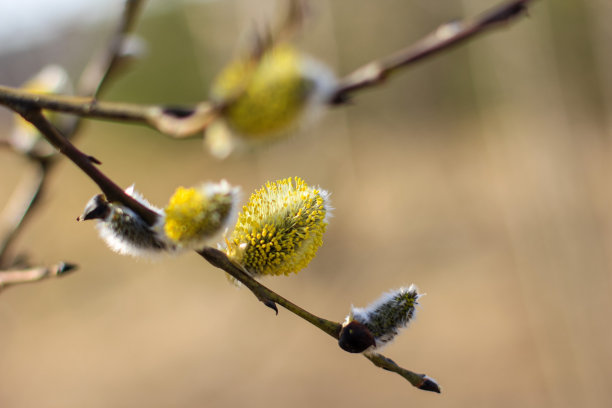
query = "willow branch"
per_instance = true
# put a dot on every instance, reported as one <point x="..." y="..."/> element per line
<point x="421" y="381"/>
<point x="185" y="121"/>
<point x="86" y="163"/>
<point x="103" y="66"/>
<point x="171" y="120"/>
<point x="267" y="296"/>
<point x="95" y="76"/>
<point x="443" y="38"/>
<point x="15" y="277"/>
<point x="20" y="204"/>
<point x="270" y="298"/>
<point x="175" y="121"/>
<point x="213" y="256"/>
<point x="84" y="106"/>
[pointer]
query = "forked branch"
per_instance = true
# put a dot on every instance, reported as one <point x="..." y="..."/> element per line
<point x="183" y="121"/>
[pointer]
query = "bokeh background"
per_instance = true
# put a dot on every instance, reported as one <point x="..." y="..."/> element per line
<point x="481" y="175"/>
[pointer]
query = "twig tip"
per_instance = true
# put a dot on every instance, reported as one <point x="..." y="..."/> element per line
<point x="64" y="268"/>
<point x="429" y="385"/>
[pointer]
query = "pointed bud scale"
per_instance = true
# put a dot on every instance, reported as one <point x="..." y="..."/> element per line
<point x="198" y="216"/>
<point x="382" y="320"/>
<point x="280" y="229"/>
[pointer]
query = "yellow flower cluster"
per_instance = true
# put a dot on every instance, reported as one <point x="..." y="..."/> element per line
<point x="280" y="229"/>
<point x="272" y="92"/>
<point x="266" y="97"/>
<point x="194" y="216"/>
<point x="278" y="232"/>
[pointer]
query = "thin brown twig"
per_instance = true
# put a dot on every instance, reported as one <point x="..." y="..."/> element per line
<point x="19" y="276"/>
<point x="421" y="381"/>
<point x="20" y="204"/>
<point x="441" y="39"/>
<point x="174" y="121"/>
<point x="96" y="74"/>
<point x="179" y="122"/>
<point x="103" y="66"/>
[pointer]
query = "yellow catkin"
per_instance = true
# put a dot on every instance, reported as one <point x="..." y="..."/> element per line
<point x="194" y="215"/>
<point x="280" y="229"/>
<point x="270" y="93"/>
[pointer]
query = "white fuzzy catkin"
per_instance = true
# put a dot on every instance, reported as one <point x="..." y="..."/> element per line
<point x="386" y="316"/>
<point x="123" y="230"/>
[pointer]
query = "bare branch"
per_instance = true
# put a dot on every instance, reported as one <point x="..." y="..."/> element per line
<point x="184" y="121"/>
<point x="421" y="381"/>
<point x="18" y="208"/>
<point x="173" y="121"/>
<point x="102" y="66"/>
<point x="83" y="106"/>
<point x="15" y="277"/>
<point x="95" y="76"/>
<point x="267" y="296"/>
<point x="444" y="37"/>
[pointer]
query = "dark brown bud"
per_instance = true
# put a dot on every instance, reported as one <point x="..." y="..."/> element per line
<point x="429" y="385"/>
<point x="355" y="337"/>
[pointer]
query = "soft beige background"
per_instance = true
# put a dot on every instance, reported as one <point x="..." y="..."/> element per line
<point x="482" y="175"/>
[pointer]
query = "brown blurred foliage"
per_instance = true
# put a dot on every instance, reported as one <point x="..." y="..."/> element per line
<point x="481" y="175"/>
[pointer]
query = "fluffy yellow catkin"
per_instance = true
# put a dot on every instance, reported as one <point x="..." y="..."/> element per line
<point x="280" y="229"/>
<point x="197" y="216"/>
<point x="267" y="97"/>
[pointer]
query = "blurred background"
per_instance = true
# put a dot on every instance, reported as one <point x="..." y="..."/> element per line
<point x="481" y="175"/>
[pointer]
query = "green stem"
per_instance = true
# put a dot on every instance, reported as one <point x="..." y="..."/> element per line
<point x="421" y="381"/>
<point x="220" y="260"/>
<point x="269" y="297"/>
